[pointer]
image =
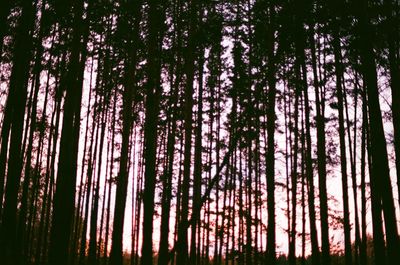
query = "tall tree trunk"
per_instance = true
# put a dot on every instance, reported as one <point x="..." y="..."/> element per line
<point x="15" y="110"/>
<point x="363" y="246"/>
<point x="380" y="175"/>
<point x="54" y="130"/>
<point x="353" y="154"/>
<point x="182" y="247"/>
<point x="63" y="208"/>
<point x="310" y="184"/>
<point x="171" y="139"/>
<point x="95" y="201"/>
<point x="87" y="188"/>
<point x="303" y="184"/>
<point x="302" y="74"/>
<point x="270" y="156"/>
<point x="155" y="17"/>
<point x="134" y="8"/>
<point x="197" y="162"/>
<point x="113" y="133"/>
<point x="294" y="180"/>
<point x="45" y="202"/>
<point x="79" y="220"/>
<point x="21" y="230"/>
<point x="394" y="69"/>
<point x="343" y="156"/>
<point x="321" y="154"/>
<point x="122" y="180"/>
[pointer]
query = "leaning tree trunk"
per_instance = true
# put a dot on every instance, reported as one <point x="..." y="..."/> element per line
<point x="15" y="112"/>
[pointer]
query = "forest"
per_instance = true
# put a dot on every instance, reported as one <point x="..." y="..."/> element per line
<point x="201" y="132"/>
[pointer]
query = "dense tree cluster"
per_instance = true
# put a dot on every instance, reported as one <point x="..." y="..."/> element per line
<point x="199" y="132"/>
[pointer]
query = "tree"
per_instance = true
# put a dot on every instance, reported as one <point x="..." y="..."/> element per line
<point x="380" y="168"/>
<point x="128" y="94"/>
<point x="13" y="127"/>
<point x="203" y="123"/>
<point x="153" y="90"/>
<point x="63" y="207"/>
